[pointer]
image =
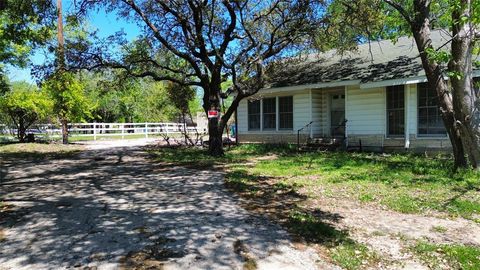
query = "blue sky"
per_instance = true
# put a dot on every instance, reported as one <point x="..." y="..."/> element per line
<point x="106" y="23"/>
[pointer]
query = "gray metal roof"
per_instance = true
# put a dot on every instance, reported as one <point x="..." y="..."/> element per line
<point x="374" y="62"/>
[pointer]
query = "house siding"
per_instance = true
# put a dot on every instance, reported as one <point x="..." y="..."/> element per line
<point x="365" y="112"/>
<point x="301" y="110"/>
<point x="242" y="116"/>
<point x="319" y="112"/>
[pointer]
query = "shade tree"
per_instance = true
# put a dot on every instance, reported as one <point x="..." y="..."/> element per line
<point x="204" y="43"/>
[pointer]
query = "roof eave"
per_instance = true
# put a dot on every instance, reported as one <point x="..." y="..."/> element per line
<point x="309" y="86"/>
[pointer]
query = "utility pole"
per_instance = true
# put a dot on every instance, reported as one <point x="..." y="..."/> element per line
<point x="61" y="64"/>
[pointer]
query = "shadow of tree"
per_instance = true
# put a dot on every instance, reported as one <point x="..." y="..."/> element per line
<point x="89" y="211"/>
<point x="282" y="203"/>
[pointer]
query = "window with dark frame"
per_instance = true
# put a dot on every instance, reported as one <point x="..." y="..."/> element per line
<point x="254" y="115"/>
<point x="430" y="120"/>
<point x="269" y="113"/>
<point x="396" y="110"/>
<point x="285" y="113"/>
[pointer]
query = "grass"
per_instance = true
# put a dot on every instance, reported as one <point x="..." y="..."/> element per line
<point x="439" y="229"/>
<point x="451" y="256"/>
<point x="88" y="137"/>
<point x="37" y="150"/>
<point x="351" y="255"/>
<point x="405" y="183"/>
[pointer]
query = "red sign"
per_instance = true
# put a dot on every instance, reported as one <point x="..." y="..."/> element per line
<point x="213" y="114"/>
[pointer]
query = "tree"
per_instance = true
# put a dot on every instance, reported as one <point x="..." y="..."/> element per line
<point x="23" y="106"/>
<point x="458" y="101"/>
<point x="213" y="41"/>
<point x="70" y="104"/>
<point x="25" y="25"/>
<point x="181" y="97"/>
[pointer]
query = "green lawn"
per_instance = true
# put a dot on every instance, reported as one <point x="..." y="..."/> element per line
<point x="402" y="182"/>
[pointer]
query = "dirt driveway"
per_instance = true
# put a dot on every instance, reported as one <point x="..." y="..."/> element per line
<point x="111" y="208"/>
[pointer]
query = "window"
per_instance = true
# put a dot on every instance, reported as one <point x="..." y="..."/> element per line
<point x="429" y="118"/>
<point x="269" y="113"/>
<point x="395" y="110"/>
<point x="253" y="114"/>
<point x="285" y="112"/>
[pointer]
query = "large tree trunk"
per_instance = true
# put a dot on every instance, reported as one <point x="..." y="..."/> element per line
<point x="465" y="100"/>
<point x="215" y="125"/>
<point x="215" y="143"/>
<point x="21" y="131"/>
<point x="64" y="131"/>
<point x="421" y="32"/>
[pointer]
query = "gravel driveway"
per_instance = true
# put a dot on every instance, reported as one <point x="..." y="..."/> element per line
<point x="112" y="208"/>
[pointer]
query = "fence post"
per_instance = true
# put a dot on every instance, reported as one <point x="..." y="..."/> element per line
<point x="123" y="131"/>
<point x="94" y="132"/>
<point x="146" y="130"/>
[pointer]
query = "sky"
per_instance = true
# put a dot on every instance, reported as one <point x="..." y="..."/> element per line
<point x="106" y="23"/>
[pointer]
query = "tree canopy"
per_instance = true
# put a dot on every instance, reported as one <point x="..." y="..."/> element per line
<point x="23" y="106"/>
<point x="24" y="25"/>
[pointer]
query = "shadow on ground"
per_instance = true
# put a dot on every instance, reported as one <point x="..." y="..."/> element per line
<point x="110" y="207"/>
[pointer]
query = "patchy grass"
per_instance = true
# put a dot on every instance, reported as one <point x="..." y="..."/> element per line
<point x="448" y="256"/>
<point x="351" y="255"/>
<point x="37" y="150"/>
<point x="439" y="229"/>
<point x="405" y="183"/>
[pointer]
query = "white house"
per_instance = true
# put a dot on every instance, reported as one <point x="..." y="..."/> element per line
<point x="376" y="96"/>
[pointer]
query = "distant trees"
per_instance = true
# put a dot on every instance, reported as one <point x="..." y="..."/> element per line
<point x="121" y="98"/>
<point x="23" y="106"/>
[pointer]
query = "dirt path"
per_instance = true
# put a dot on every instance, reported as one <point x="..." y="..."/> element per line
<point x="112" y="208"/>
<point x="390" y="233"/>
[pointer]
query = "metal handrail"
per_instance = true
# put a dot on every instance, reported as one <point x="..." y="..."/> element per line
<point x="298" y="133"/>
<point x="343" y="124"/>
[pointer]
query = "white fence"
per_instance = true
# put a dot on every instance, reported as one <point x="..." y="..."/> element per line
<point x="113" y="129"/>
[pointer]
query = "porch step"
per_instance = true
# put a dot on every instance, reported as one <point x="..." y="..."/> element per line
<point x="323" y="144"/>
<point x="326" y="140"/>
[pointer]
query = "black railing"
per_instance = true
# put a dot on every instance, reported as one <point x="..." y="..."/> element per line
<point x="298" y="133"/>
<point x="334" y="131"/>
<point x="342" y="125"/>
